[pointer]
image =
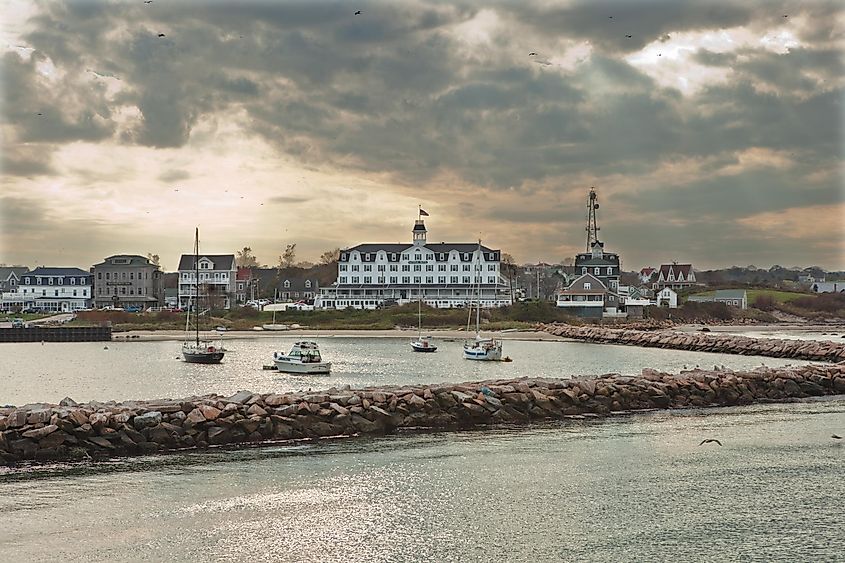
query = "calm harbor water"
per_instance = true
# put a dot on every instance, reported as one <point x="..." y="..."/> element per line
<point x="34" y="372"/>
<point x="635" y="488"/>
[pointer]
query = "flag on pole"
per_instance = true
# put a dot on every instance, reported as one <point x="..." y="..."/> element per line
<point x="423" y="212"/>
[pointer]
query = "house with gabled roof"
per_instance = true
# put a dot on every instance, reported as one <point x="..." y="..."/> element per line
<point x="217" y="280"/>
<point x="588" y="297"/>
<point x="675" y="276"/>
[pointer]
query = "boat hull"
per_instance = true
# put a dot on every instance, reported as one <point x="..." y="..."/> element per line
<point x="303" y="368"/>
<point x="203" y="357"/>
<point x="421" y="346"/>
<point x="483" y="353"/>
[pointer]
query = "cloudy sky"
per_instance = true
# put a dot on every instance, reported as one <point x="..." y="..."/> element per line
<point x="713" y="131"/>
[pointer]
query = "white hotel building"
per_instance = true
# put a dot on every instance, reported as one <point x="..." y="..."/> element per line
<point x="56" y="290"/>
<point x="443" y="275"/>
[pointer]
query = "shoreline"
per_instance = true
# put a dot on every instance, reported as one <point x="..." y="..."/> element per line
<point x="444" y="334"/>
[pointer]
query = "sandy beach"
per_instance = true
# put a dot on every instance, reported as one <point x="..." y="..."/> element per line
<point x="303" y="333"/>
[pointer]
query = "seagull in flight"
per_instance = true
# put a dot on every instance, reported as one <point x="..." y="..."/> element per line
<point x="358" y="13"/>
<point x="835" y="437"/>
<point x="532" y="54"/>
<point x="708" y="441"/>
<point x="148" y="1"/>
<point x="629" y="36"/>
<point x="161" y="35"/>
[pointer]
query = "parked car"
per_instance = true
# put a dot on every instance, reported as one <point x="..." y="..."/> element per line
<point x="132" y="309"/>
<point x="17" y="323"/>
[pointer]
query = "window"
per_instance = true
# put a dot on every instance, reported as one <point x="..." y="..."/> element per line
<point x="393" y="256"/>
<point x="131" y="275"/>
<point x="55" y="293"/>
<point x="343" y="279"/>
<point x="406" y="279"/>
<point x="394" y="279"/>
<point x="587" y="285"/>
<point x="61" y="281"/>
<point x="367" y="267"/>
<point x="429" y="279"/>
<point x="343" y="257"/>
<point x="72" y="281"/>
<point x="491" y="267"/>
<point x="354" y="267"/>
<point x="417" y="257"/>
<point x="27" y="281"/>
<point x="342" y="267"/>
<point x="441" y="267"/>
<point x="429" y="268"/>
<point x="406" y="268"/>
<point x="466" y="279"/>
<point x="584" y="270"/>
<point x="355" y="279"/>
<point x="417" y="268"/>
<point x="381" y="267"/>
<point x="441" y="279"/>
<point x="99" y="275"/>
<point x="491" y="279"/>
<point x="367" y="257"/>
<point x="417" y="279"/>
<point x="308" y="283"/>
<point x="368" y="279"/>
<point x="453" y="267"/>
<point x="467" y="268"/>
<point x="394" y="268"/>
<point x="50" y="281"/>
<point x="453" y="279"/>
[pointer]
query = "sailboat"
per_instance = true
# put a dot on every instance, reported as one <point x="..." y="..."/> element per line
<point x="480" y="348"/>
<point x="273" y="325"/>
<point x="196" y="351"/>
<point x="422" y="343"/>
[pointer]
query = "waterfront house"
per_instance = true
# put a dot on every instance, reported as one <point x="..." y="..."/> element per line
<point x="56" y="290"/>
<point x="675" y="276"/>
<point x="245" y="286"/>
<point x="646" y="274"/>
<point x="588" y="297"/>
<point x="297" y="288"/>
<point x="127" y="280"/>
<point x="442" y="275"/>
<point x="732" y="297"/>
<point x="666" y="297"/>
<point x="217" y="279"/>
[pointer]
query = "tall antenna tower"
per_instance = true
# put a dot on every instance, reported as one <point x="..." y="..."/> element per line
<point x="592" y="227"/>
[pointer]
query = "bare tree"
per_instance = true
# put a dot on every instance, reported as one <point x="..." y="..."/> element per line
<point x="246" y="259"/>
<point x="288" y="257"/>
<point x="330" y="256"/>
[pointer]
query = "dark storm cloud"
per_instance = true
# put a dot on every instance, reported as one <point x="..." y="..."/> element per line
<point x="396" y="91"/>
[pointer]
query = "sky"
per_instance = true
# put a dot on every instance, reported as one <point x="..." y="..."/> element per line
<point x="712" y="131"/>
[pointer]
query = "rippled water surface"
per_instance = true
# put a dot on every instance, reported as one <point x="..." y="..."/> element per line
<point x="144" y="370"/>
<point x="636" y="488"/>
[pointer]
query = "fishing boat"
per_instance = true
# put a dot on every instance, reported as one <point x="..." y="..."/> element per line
<point x="304" y="358"/>
<point x="196" y="351"/>
<point x="422" y="343"/>
<point x="480" y="348"/>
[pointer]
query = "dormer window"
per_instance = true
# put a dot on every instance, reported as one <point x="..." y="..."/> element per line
<point x="308" y="283"/>
<point x="367" y="257"/>
<point x="37" y="281"/>
<point x="50" y="281"/>
<point x="343" y="257"/>
<point x="393" y="256"/>
<point x="287" y="284"/>
<point x="27" y="281"/>
<point x="442" y="256"/>
<point x="72" y="281"/>
<point x="61" y="281"/>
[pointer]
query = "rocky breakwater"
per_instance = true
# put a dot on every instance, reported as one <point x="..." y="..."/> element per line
<point x="70" y="431"/>
<point x="814" y="350"/>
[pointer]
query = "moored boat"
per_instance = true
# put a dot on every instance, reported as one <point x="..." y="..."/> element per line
<point x="423" y="344"/>
<point x="488" y="349"/>
<point x="196" y="351"/>
<point x="304" y="358"/>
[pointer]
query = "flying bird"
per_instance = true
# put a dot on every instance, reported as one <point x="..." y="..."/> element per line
<point x="532" y="54"/>
<point x="629" y="36"/>
<point x="148" y="1"/>
<point x="835" y="437"/>
<point x="358" y="13"/>
<point x="708" y="441"/>
<point x="161" y="35"/>
<point x="39" y="114"/>
<point x="785" y="16"/>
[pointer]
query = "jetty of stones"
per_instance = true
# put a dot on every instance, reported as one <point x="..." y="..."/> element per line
<point x="813" y="350"/>
<point x="99" y="430"/>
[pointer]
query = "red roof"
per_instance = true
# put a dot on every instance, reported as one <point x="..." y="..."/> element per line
<point x="244" y="274"/>
<point x="675" y="269"/>
<point x="647" y="271"/>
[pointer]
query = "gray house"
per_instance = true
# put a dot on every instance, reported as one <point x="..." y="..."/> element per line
<point x="732" y="297"/>
<point x="127" y="280"/>
<point x="10" y="277"/>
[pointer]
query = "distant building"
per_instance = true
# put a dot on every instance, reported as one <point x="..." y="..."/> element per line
<point x="298" y="288"/>
<point x="829" y="287"/>
<point x="810" y="279"/>
<point x="646" y="274"/>
<point x="58" y="290"/>
<point x="589" y="297"/>
<point x="666" y="297"/>
<point x="126" y="280"/>
<point x="442" y="275"/>
<point x="732" y="297"/>
<point x="10" y="278"/>
<point x="245" y="286"/>
<point x="675" y="276"/>
<point x="217" y="279"/>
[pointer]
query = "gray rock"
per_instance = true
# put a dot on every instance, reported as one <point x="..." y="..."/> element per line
<point x="16" y="419"/>
<point x="38" y="433"/>
<point x="40" y="416"/>
<point x="68" y="402"/>
<point x="147" y="420"/>
<point x="196" y="416"/>
<point x="240" y="397"/>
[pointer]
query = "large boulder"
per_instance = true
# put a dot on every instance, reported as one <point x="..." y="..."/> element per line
<point x="38" y="433"/>
<point x="240" y="397"/>
<point x="147" y="420"/>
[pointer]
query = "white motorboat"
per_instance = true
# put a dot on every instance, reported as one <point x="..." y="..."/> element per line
<point x="304" y="357"/>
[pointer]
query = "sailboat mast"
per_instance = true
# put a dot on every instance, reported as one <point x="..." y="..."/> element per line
<point x="478" y="291"/>
<point x="197" y="279"/>
<point x="419" y="310"/>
